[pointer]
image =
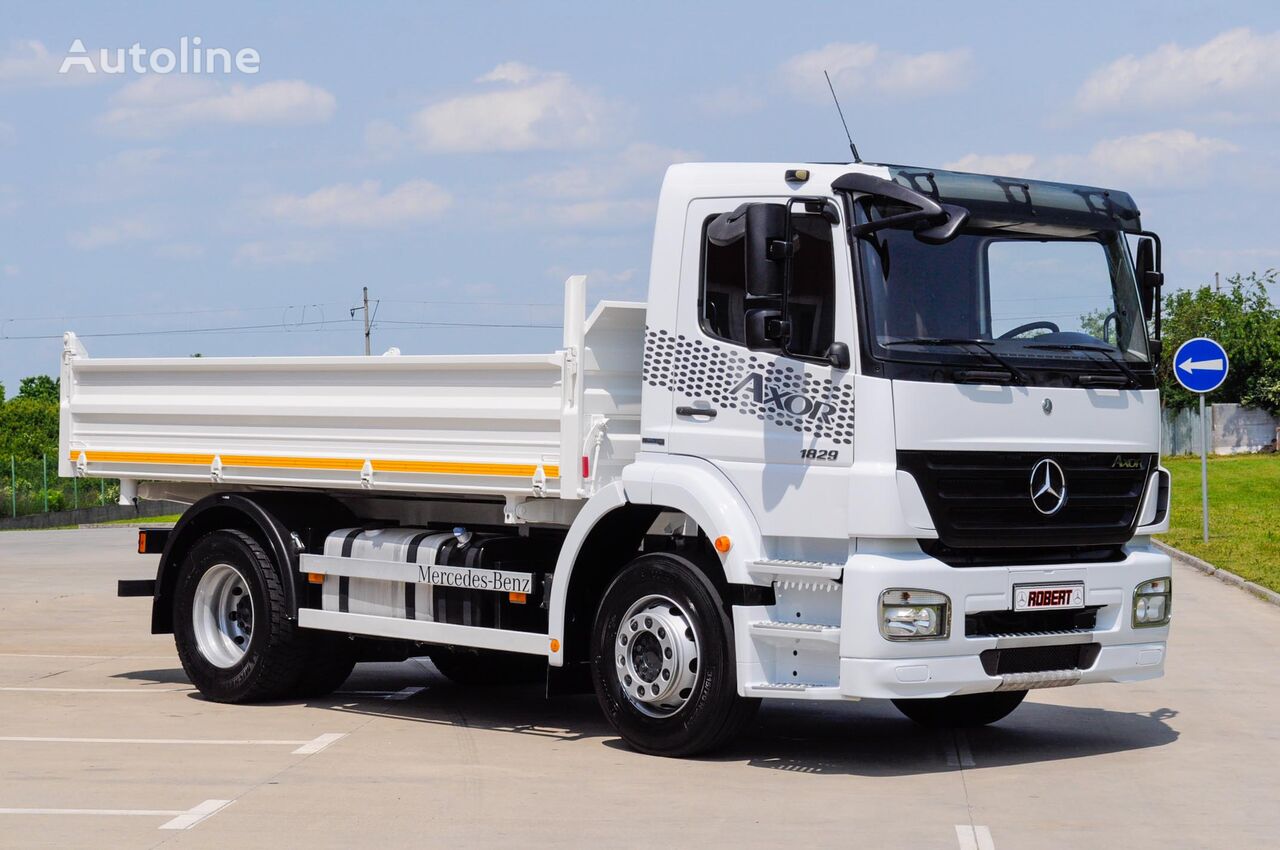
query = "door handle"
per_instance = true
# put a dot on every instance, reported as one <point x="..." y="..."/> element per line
<point x="708" y="412"/>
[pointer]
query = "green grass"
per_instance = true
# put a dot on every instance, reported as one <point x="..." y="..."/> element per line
<point x="147" y="520"/>
<point x="1244" y="514"/>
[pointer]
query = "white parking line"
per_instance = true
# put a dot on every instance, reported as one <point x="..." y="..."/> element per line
<point x="404" y="693"/>
<point x="974" y="837"/>
<point x="99" y="657"/>
<point x="177" y="819"/>
<point x="315" y="745"/>
<point x="962" y="748"/>
<point x="304" y="748"/>
<point x="103" y="690"/>
<point x="196" y="814"/>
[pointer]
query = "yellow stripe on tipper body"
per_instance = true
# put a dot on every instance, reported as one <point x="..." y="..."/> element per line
<point x="421" y="467"/>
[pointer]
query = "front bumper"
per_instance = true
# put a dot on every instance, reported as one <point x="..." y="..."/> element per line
<point x="861" y="663"/>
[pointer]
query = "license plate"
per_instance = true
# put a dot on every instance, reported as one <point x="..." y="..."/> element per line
<point x="1048" y="597"/>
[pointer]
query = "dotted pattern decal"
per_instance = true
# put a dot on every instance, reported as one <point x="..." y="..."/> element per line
<point x="769" y="390"/>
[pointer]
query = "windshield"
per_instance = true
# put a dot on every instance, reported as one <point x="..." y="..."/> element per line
<point x="1027" y="298"/>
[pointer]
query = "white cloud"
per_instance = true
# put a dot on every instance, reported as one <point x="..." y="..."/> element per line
<point x="156" y="105"/>
<point x="1009" y="164"/>
<point x="1236" y="62"/>
<point x="262" y="253"/>
<point x="117" y="232"/>
<point x="520" y="108"/>
<point x="180" y="251"/>
<point x="1160" y="159"/>
<point x="604" y="214"/>
<point x="863" y="66"/>
<point x="606" y="175"/>
<point x="362" y="205"/>
<point x="28" y="62"/>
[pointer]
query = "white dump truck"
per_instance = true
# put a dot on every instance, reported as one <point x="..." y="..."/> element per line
<point x="877" y="432"/>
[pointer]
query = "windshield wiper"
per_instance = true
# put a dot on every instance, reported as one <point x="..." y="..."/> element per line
<point x="981" y="344"/>
<point x="1119" y="363"/>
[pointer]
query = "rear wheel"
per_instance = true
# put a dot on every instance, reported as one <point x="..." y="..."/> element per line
<point x="662" y="659"/>
<point x="231" y="624"/>
<point x="961" y="711"/>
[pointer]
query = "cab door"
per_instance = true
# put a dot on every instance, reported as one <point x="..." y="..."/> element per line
<point x="777" y="420"/>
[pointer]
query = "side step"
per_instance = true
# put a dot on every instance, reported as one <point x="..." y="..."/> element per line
<point x="775" y="630"/>
<point x="427" y="631"/>
<point x="794" y="690"/>
<point x="784" y="567"/>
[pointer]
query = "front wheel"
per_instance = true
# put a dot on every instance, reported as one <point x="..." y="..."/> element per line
<point x="663" y="662"/>
<point x="961" y="711"/>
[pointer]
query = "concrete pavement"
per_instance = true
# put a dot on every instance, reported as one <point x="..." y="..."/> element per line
<point x="103" y="743"/>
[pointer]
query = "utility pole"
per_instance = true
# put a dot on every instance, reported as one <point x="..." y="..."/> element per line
<point x="365" y="307"/>
<point x="1217" y="286"/>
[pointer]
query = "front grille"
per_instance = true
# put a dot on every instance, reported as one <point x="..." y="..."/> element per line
<point x="989" y="623"/>
<point x="1020" y="556"/>
<point x="1039" y="659"/>
<point x="983" y="499"/>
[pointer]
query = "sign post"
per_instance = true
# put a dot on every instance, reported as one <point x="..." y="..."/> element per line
<point x="1201" y="365"/>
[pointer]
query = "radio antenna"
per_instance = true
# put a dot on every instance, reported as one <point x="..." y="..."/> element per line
<point x="853" y="149"/>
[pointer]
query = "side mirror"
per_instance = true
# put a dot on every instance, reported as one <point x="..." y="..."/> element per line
<point x="941" y="234"/>
<point x="1150" y="278"/>
<point x="838" y="354"/>
<point x="765" y="329"/>
<point x="767" y="251"/>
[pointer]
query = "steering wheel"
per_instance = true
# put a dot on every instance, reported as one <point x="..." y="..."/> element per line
<point x="1029" y="326"/>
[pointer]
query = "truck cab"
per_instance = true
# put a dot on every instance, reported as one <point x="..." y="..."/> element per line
<point x="948" y="412"/>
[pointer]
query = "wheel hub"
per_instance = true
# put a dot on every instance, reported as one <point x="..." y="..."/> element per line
<point x="656" y="655"/>
<point x="222" y="615"/>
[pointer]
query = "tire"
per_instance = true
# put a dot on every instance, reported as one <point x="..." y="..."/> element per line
<point x="961" y="711"/>
<point x="268" y="660"/>
<point x="486" y="668"/>
<point x="690" y="701"/>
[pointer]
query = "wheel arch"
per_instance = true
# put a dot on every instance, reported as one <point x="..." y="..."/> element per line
<point x="272" y="520"/>
<point x="610" y="528"/>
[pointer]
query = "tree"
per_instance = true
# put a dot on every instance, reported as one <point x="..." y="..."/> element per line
<point x="29" y="420"/>
<point x="40" y="387"/>
<point x="1245" y="322"/>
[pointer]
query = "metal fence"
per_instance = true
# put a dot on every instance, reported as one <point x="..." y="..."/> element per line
<point x="31" y="486"/>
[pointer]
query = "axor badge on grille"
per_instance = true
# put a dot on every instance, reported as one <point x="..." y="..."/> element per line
<point x="1048" y="597"/>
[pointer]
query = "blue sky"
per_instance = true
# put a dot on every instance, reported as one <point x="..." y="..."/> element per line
<point x="461" y="159"/>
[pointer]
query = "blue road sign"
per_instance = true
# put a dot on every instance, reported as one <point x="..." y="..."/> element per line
<point x="1200" y="365"/>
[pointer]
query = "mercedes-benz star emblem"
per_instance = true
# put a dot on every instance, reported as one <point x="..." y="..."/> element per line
<point x="1048" y="487"/>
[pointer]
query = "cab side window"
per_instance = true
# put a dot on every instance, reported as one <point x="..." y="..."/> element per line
<point x="810" y="306"/>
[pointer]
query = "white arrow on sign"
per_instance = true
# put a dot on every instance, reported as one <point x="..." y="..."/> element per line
<point x="1190" y="365"/>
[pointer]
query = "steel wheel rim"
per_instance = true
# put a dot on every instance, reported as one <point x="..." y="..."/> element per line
<point x="655" y="654"/>
<point x="222" y="615"/>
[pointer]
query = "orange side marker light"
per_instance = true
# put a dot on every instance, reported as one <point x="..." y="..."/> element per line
<point x="723" y="544"/>
<point x="315" y="578"/>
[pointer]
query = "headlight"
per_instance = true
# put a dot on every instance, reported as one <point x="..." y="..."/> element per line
<point x="1151" y="602"/>
<point x="914" y="614"/>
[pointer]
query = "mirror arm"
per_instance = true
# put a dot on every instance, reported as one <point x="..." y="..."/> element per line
<point x="1159" y="269"/>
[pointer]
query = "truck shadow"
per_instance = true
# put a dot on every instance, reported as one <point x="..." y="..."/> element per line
<point x="868" y="738"/>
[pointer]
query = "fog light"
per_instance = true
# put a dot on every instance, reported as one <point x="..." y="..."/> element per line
<point x="914" y="614"/>
<point x="1151" y="603"/>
